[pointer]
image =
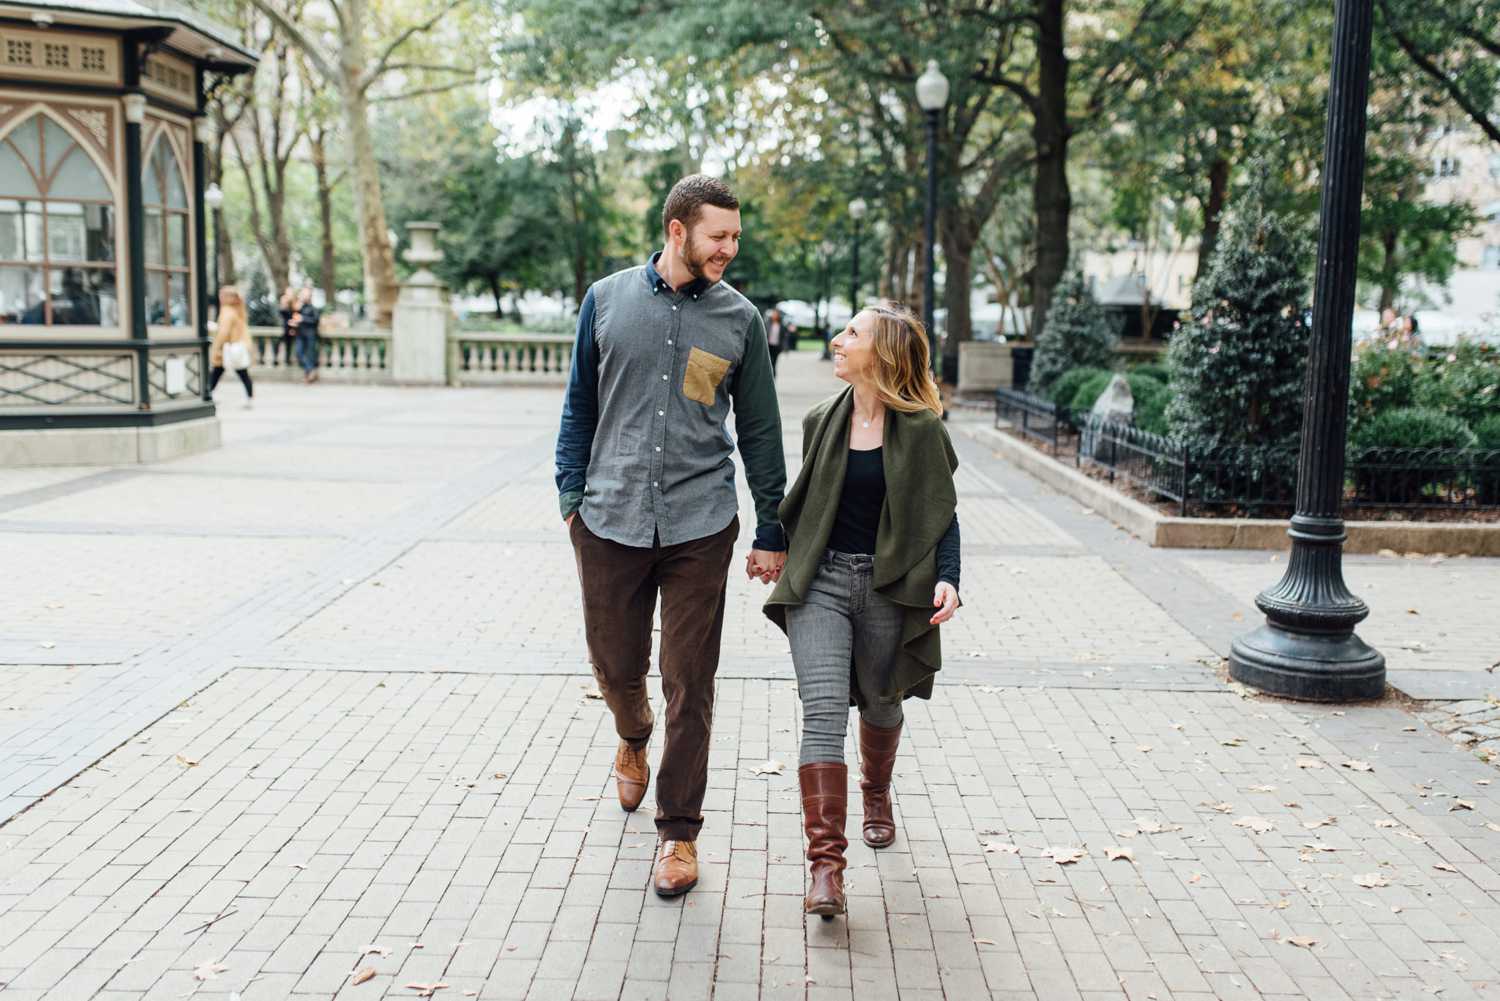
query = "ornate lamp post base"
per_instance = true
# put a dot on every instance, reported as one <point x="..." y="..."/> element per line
<point x="1330" y="668"/>
<point x="1307" y="648"/>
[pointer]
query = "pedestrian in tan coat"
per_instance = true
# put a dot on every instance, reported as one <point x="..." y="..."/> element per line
<point x="232" y="338"/>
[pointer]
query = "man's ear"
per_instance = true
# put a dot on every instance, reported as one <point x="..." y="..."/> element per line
<point x="677" y="233"/>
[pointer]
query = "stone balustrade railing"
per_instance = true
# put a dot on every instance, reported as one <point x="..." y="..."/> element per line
<point x="474" y="359"/>
<point x="477" y="359"/>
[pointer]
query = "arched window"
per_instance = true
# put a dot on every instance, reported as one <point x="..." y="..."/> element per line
<point x="166" y="238"/>
<point x="57" y="231"/>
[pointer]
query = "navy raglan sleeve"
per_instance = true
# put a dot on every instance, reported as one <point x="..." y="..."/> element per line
<point x="580" y="414"/>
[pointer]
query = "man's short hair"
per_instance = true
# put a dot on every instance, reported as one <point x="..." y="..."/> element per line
<point x="688" y="196"/>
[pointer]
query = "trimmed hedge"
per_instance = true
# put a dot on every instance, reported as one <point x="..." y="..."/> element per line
<point x="1414" y="427"/>
<point x="1066" y="386"/>
<point x="1150" y="396"/>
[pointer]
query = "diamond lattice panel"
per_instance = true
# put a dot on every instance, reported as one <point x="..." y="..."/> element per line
<point x="66" y="380"/>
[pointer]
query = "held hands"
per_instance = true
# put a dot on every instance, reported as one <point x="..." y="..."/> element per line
<point x="945" y="600"/>
<point x="764" y="566"/>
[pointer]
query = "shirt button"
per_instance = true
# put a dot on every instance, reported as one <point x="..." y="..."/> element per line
<point x="658" y="448"/>
<point x="654" y="483"/>
<point x="663" y="378"/>
<point x="661" y="413"/>
<point x="674" y="309"/>
<point x="669" y="340"/>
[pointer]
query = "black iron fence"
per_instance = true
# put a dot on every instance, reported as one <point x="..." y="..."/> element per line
<point x="1035" y="417"/>
<point x="1257" y="481"/>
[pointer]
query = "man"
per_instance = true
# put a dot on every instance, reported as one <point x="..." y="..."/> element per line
<point x="646" y="486"/>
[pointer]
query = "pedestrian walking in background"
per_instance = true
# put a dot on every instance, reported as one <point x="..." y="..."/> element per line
<point x="232" y="346"/>
<point x="775" y="336"/>
<point x="286" y="307"/>
<point x="645" y="481"/>
<point x="872" y="572"/>
<point x="306" y="318"/>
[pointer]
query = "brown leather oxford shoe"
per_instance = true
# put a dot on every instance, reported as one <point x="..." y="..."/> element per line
<point x="632" y="775"/>
<point x="676" y="868"/>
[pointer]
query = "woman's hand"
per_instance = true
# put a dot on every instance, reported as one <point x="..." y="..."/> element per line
<point x="945" y="600"/>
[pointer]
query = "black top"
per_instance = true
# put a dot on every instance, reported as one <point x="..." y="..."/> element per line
<point x="857" y="520"/>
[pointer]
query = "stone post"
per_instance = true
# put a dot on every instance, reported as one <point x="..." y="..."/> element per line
<point x="419" y="327"/>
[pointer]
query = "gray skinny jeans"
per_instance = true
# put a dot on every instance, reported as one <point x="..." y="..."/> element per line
<point x="842" y="623"/>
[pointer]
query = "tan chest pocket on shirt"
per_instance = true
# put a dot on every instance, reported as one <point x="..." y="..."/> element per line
<point x="704" y="373"/>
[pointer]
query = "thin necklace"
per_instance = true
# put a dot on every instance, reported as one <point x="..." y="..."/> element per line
<point x="862" y="423"/>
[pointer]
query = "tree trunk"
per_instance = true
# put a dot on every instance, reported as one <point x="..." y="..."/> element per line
<point x="958" y="270"/>
<point x="959" y="235"/>
<point x="1051" y="199"/>
<point x="1389" y="270"/>
<point x="1213" y="212"/>
<point x="495" y="291"/>
<point x="222" y="249"/>
<point x="325" y="215"/>
<point x="381" y="287"/>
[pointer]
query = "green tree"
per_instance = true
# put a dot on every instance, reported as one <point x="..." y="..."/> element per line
<point x="1078" y="335"/>
<point x="1237" y="365"/>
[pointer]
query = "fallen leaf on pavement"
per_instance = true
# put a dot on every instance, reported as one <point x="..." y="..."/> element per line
<point x="1115" y="854"/>
<point x="209" y="969"/>
<point x="426" y="990"/>
<point x="1260" y="825"/>
<point x="1305" y="941"/>
<point x="1262" y="788"/>
<point x="368" y="973"/>
<point x="1319" y="846"/>
<point x="1493" y="826"/>
<point x="1233" y="742"/>
<point x="1195" y="877"/>
<point x="1144" y="748"/>
<point x="770" y="768"/>
<point x="1309" y="763"/>
<point x="1065" y="856"/>
<point x="984" y="941"/>
<point x="594" y="693"/>
<point x="1461" y="804"/>
<point x="188" y="762"/>
<point x="375" y="950"/>
<point x="1386" y="822"/>
<point x="1147" y="825"/>
<point x="1221" y="807"/>
<point x="1443" y="867"/>
<point x="1004" y="848"/>
<point x="47" y="645"/>
<point x="1371" y="880"/>
<point x="1313" y="825"/>
<point x="1359" y="766"/>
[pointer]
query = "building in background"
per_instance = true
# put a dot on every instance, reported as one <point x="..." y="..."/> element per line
<point x="103" y="285"/>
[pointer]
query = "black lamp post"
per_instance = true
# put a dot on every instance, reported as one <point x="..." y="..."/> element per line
<point x="857" y="210"/>
<point x="932" y="95"/>
<point x="1307" y="648"/>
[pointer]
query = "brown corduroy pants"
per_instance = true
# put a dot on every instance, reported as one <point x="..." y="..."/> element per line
<point x="620" y="585"/>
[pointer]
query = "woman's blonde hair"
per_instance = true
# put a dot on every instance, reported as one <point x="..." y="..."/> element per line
<point x="902" y="371"/>
<point x="232" y="319"/>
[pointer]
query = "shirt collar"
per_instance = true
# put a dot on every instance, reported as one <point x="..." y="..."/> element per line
<point x="658" y="284"/>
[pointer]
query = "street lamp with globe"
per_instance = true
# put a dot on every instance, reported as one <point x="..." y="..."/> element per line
<point x="857" y="210"/>
<point x="213" y="197"/>
<point x="932" y="96"/>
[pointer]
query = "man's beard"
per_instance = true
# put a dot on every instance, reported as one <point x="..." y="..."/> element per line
<point x="694" y="262"/>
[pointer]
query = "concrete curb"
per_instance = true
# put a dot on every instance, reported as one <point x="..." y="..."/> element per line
<point x="1169" y="532"/>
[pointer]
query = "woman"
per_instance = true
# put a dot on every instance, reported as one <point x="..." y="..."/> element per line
<point x="232" y="330"/>
<point x="287" y="307"/>
<point x="872" y="571"/>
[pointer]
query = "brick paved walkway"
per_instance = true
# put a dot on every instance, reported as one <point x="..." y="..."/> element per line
<point x="316" y="703"/>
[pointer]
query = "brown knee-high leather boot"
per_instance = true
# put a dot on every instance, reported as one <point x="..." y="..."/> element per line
<point x="825" y="808"/>
<point x="877" y="759"/>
